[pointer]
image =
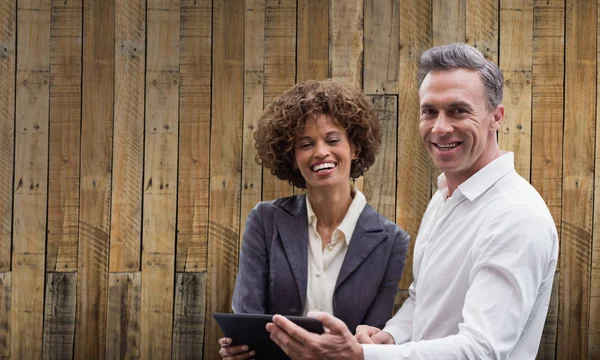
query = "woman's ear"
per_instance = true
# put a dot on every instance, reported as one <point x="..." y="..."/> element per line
<point x="355" y="151"/>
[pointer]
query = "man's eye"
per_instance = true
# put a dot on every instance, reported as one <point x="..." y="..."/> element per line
<point x="459" y="111"/>
<point x="428" y="112"/>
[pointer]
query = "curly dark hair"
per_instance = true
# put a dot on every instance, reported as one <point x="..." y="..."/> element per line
<point x="286" y="116"/>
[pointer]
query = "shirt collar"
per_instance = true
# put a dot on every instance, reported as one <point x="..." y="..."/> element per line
<point x="350" y="220"/>
<point x="482" y="180"/>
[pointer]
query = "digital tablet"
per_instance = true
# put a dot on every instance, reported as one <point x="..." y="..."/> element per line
<point x="249" y="329"/>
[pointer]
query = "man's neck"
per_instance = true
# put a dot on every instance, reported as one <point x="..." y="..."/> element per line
<point x="454" y="180"/>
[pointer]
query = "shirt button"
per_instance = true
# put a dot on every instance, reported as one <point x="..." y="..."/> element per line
<point x="318" y="274"/>
<point x="330" y="247"/>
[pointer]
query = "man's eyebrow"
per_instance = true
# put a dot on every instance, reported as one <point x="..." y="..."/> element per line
<point x="456" y="104"/>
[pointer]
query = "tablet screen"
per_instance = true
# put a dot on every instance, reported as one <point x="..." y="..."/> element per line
<point x="249" y="329"/>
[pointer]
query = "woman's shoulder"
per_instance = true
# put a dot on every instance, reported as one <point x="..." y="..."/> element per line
<point x="291" y="204"/>
<point x="371" y="215"/>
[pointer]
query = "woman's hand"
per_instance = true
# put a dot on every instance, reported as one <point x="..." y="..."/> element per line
<point x="237" y="352"/>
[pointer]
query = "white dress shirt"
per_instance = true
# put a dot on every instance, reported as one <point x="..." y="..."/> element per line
<point x="324" y="264"/>
<point x="484" y="262"/>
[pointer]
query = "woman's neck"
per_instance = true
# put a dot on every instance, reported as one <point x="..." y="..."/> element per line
<point x="330" y="205"/>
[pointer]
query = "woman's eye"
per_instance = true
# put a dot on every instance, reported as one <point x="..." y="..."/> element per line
<point x="333" y="141"/>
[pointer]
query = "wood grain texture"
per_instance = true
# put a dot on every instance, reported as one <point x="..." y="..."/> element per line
<point x="31" y="178"/>
<point x="8" y="47"/>
<point x="593" y="329"/>
<point x="254" y="79"/>
<point x="279" y="72"/>
<point x="59" y="315"/>
<point x="380" y="179"/>
<point x="95" y="179"/>
<point x="65" y="128"/>
<point x="450" y="20"/>
<point x="578" y="179"/>
<point x="414" y="191"/>
<point x="123" y="320"/>
<point x="516" y="44"/>
<point x="346" y="41"/>
<point x="312" y="60"/>
<point x="548" y="67"/>
<point x="188" y="322"/>
<point x="381" y="39"/>
<point x="225" y="164"/>
<point x="128" y="138"/>
<point x="194" y="135"/>
<point x="481" y="29"/>
<point x="5" y="305"/>
<point x="160" y="178"/>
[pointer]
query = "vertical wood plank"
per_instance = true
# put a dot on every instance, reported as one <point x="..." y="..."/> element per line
<point x="95" y="178"/>
<point x="413" y="192"/>
<point x="279" y="72"/>
<point x="5" y="305"/>
<point x="482" y="27"/>
<point x="547" y="131"/>
<point x="8" y="32"/>
<point x="188" y="326"/>
<point x="254" y="79"/>
<point x="31" y="178"/>
<point x="313" y="40"/>
<point x="225" y="163"/>
<point x="381" y="38"/>
<point x="449" y="17"/>
<point x="380" y="180"/>
<point x="59" y="316"/>
<point x="516" y="40"/>
<point x="194" y="135"/>
<point x="346" y="41"/>
<point x="123" y="321"/>
<point x="578" y="178"/>
<point x="593" y="330"/>
<point x="65" y="128"/>
<point x="126" y="205"/>
<point x="346" y="46"/>
<point x="160" y="178"/>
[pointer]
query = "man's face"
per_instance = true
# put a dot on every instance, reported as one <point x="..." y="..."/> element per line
<point x="456" y="124"/>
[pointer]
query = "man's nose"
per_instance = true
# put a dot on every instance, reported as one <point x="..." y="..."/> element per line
<point x="442" y="125"/>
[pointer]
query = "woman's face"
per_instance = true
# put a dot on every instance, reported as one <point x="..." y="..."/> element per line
<point x="323" y="153"/>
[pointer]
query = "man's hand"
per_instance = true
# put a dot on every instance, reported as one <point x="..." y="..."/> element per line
<point x="371" y="335"/>
<point x="335" y="343"/>
<point x="238" y="352"/>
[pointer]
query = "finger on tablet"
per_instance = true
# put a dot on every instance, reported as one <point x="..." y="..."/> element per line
<point x="224" y="341"/>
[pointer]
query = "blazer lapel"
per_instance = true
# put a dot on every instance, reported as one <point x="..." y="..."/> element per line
<point x="293" y="230"/>
<point x="367" y="235"/>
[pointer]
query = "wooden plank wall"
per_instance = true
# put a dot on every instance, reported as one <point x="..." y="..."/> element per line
<point x="127" y="156"/>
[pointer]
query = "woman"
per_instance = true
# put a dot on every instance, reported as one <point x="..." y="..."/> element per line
<point x="327" y="250"/>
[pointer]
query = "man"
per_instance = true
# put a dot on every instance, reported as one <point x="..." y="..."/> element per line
<point x="486" y="252"/>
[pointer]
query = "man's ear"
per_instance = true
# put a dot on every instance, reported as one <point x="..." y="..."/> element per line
<point x="498" y="117"/>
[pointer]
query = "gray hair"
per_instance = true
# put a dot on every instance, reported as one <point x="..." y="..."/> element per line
<point x="463" y="56"/>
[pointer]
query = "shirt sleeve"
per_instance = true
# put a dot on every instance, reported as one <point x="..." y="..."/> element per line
<point x="511" y="258"/>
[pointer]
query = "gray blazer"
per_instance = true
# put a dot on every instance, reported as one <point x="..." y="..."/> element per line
<point x="272" y="276"/>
